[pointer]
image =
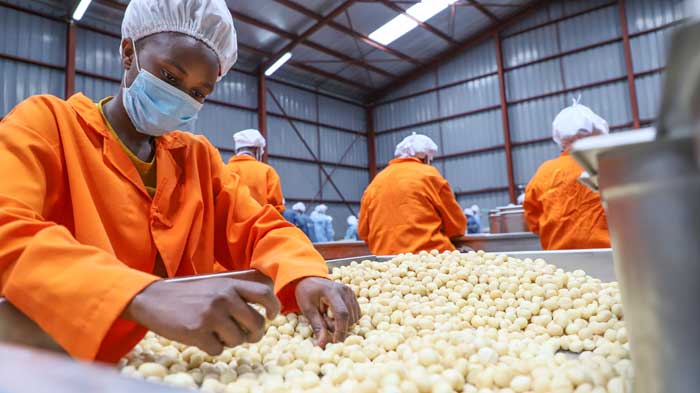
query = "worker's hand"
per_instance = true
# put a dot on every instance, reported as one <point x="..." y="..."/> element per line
<point x="315" y="296"/>
<point x="208" y="314"/>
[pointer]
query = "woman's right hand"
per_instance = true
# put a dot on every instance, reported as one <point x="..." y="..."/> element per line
<point x="209" y="313"/>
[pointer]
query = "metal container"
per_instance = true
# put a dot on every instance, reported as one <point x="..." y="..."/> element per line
<point x="652" y="191"/>
<point x="500" y="242"/>
<point x="494" y="221"/>
<point x="513" y="221"/>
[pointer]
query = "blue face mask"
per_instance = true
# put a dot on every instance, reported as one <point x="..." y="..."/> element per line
<point x="156" y="107"/>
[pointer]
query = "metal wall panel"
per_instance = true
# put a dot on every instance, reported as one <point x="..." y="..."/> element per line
<point x="649" y="94"/>
<point x="218" y="123"/>
<point x="473" y="132"/>
<point x="530" y="46"/>
<point x="611" y="102"/>
<point x="94" y="88"/>
<point x="486" y="201"/>
<point x="533" y="119"/>
<point x="648" y="14"/>
<point x="590" y="28"/>
<point x="340" y="213"/>
<point x="20" y="80"/>
<point x="386" y="143"/>
<point x="474" y="62"/>
<point x="337" y="144"/>
<point x="296" y="102"/>
<point x="281" y="138"/>
<point x="424" y="82"/>
<point x="342" y="114"/>
<point x="540" y="16"/>
<point x="476" y="172"/>
<point x="225" y="155"/>
<point x="527" y="159"/>
<point x="534" y="80"/>
<point x="238" y="88"/>
<point x="33" y="37"/>
<point x="465" y="97"/>
<point x="350" y="182"/>
<point x="52" y="7"/>
<point x="649" y="51"/>
<point x="594" y="65"/>
<point x="405" y="112"/>
<point x="299" y="179"/>
<point x="97" y="53"/>
<point x="569" y="7"/>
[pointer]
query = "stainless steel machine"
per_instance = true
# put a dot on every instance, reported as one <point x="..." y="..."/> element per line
<point x="650" y="184"/>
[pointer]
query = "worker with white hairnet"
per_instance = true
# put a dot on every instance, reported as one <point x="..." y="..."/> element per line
<point x="565" y="213"/>
<point x="322" y="225"/>
<point x="473" y="225"/>
<point x="409" y="206"/>
<point x="89" y="227"/>
<point x="351" y="232"/>
<point x="261" y="179"/>
<point x="297" y="216"/>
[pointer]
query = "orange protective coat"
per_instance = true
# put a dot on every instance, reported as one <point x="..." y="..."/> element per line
<point x="261" y="179"/>
<point x="565" y="213"/>
<point x="79" y="234"/>
<point x="410" y="207"/>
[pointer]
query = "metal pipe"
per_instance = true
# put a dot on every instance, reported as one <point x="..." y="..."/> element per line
<point x="634" y="102"/>
<point x="506" y="119"/>
<point x="69" y="87"/>
<point x="262" y="108"/>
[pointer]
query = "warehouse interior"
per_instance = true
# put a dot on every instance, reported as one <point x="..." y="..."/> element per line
<point x="335" y="95"/>
<point x="484" y="82"/>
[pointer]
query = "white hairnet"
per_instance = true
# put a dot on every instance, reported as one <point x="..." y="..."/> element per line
<point x="321" y="209"/>
<point x="352" y="220"/>
<point x="475" y="209"/>
<point x="299" y="206"/>
<point x="577" y="119"/>
<point x="414" y="145"/>
<point x="468" y="212"/>
<point x="249" y="138"/>
<point x="209" y="21"/>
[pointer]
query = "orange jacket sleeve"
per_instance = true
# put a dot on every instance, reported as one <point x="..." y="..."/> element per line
<point x="73" y="291"/>
<point x="363" y="220"/>
<point x="453" y="219"/>
<point x="250" y="236"/>
<point x="533" y="206"/>
<point x="274" y="191"/>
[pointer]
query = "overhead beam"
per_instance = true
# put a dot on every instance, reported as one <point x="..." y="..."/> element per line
<point x="484" y="10"/>
<point x="302" y="39"/>
<point x="452" y="52"/>
<point x="505" y="118"/>
<point x="262" y="108"/>
<point x="331" y="76"/>
<point x="634" y="101"/>
<point x="311" y="14"/>
<point x="423" y="25"/>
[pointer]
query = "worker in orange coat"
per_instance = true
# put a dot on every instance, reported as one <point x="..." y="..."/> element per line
<point x="566" y="214"/>
<point x="88" y="227"/>
<point x="262" y="180"/>
<point x="409" y="206"/>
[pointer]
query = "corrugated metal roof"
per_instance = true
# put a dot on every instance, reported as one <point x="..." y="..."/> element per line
<point x="266" y="27"/>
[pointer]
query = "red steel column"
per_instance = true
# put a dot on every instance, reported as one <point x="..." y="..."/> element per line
<point x="70" y="60"/>
<point x="262" y="107"/>
<point x="371" y="146"/>
<point x="630" y="65"/>
<point x="506" y="119"/>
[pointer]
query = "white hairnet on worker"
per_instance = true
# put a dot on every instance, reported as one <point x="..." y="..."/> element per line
<point x="352" y="220"/>
<point x="321" y="209"/>
<point x="300" y="207"/>
<point x="249" y="138"/>
<point x="416" y="145"/>
<point x="208" y="21"/>
<point x="469" y="212"/>
<point x="577" y="120"/>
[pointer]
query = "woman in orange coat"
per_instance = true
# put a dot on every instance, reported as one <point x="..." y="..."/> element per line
<point x="566" y="214"/>
<point x="409" y="206"/>
<point x="262" y="179"/>
<point x="88" y="226"/>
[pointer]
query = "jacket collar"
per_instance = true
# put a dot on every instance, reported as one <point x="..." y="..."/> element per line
<point x="242" y="157"/>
